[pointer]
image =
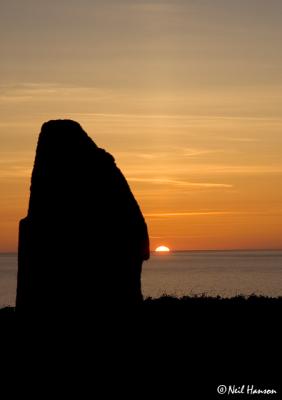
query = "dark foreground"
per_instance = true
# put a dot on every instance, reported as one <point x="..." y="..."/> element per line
<point x="200" y="315"/>
<point x="188" y="306"/>
<point x="218" y="301"/>
<point x="188" y="303"/>
<point x="173" y="347"/>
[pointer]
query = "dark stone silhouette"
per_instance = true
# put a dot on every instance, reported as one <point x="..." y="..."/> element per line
<point x="84" y="239"/>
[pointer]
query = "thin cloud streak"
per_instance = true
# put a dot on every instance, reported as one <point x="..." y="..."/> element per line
<point x="183" y="117"/>
<point x="187" y="214"/>
<point x="40" y="91"/>
<point x="215" y="169"/>
<point x="15" y="173"/>
<point x="268" y="213"/>
<point x="160" y="181"/>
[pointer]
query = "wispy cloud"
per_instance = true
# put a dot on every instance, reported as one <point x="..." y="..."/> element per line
<point x="194" y="152"/>
<point x="187" y="213"/>
<point x="241" y="169"/>
<point x="168" y="237"/>
<point x="239" y="139"/>
<point x="206" y="169"/>
<point x="192" y="118"/>
<point x="161" y="181"/>
<point x="259" y="212"/>
<point x="15" y="165"/>
<point x="26" y="92"/>
<point x="15" y="172"/>
<point x="165" y="152"/>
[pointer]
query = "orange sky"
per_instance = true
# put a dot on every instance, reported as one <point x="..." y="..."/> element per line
<point x="186" y="96"/>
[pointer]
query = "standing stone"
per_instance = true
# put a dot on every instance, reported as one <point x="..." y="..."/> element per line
<point x="84" y="238"/>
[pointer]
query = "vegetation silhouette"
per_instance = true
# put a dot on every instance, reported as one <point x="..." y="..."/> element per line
<point x="200" y="305"/>
<point x="84" y="239"/>
<point x="166" y="346"/>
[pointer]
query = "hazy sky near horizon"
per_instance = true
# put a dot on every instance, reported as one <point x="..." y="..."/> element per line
<point x="186" y="94"/>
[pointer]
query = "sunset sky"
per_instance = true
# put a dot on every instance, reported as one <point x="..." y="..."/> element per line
<point x="186" y="94"/>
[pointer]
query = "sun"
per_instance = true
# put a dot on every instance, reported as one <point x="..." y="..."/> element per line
<point x="162" y="249"/>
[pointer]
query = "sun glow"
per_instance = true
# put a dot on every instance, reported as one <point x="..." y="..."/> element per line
<point x="162" y="249"/>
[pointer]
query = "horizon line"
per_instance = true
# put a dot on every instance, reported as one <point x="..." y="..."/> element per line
<point x="187" y="250"/>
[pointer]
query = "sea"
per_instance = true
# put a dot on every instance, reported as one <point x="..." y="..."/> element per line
<point x="188" y="273"/>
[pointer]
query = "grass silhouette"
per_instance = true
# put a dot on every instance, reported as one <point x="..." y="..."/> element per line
<point x="203" y="302"/>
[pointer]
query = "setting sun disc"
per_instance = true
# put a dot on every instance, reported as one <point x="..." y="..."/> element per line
<point x="161" y="249"/>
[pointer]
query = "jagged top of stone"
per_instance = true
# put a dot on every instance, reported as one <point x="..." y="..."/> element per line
<point x="63" y="138"/>
<point x="61" y="130"/>
<point x="63" y="144"/>
<point x="65" y="157"/>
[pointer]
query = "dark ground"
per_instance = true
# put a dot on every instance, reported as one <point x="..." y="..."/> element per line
<point x="168" y="347"/>
<point x="203" y="303"/>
